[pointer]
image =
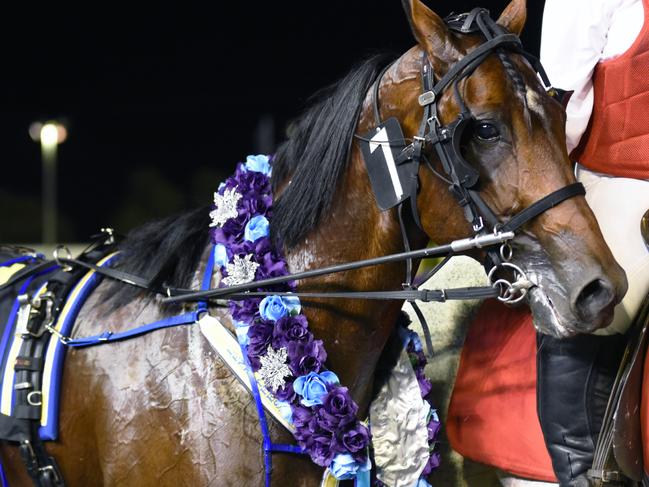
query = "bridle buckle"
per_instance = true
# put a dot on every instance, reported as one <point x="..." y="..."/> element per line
<point x="427" y="98"/>
<point x="478" y="224"/>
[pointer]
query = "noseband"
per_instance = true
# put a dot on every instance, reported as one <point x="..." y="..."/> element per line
<point x="461" y="176"/>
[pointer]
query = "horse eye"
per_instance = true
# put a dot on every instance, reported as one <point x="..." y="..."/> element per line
<point x="486" y="131"/>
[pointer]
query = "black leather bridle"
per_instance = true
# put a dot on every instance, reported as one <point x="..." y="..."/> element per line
<point x="445" y="140"/>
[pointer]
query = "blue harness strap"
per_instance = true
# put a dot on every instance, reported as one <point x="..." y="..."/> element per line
<point x="109" y="337"/>
<point x="183" y="319"/>
<point x="23" y="258"/>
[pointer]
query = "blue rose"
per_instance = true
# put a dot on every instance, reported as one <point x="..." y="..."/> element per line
<point x="292" y="304"/>
<point x="220" y="255"/>
<point x="313" y="387"/>
<point x="259" y="163"/>
<point x="256" y="228"/>
<point x="433" y="415"/>
<point x="242" y="332"/>
<point x="344" y="467"/>
<point x="286" y="411"/>
<point x="272" y="308"/>
<point x="416" y="343"/>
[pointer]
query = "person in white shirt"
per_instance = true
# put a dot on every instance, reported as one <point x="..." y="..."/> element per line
<point x="599" y="49"/>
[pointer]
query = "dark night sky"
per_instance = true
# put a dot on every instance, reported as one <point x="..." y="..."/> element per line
<point x="162" y="101"/>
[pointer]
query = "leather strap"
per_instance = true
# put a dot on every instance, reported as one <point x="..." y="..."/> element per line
<point x="118" y="275"/>
<point x="425" y="295"/>
<point x="544" y="204"/>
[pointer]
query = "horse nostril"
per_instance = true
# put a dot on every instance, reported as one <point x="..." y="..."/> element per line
<point x="593" y="298"/>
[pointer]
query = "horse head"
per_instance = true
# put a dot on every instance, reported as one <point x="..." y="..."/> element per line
<point x="515" y="141"/>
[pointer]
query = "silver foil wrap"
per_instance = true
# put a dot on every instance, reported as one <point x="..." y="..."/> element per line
<point x="398" y="423"/>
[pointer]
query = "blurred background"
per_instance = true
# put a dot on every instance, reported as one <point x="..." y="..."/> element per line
<point x="157" y="103"/>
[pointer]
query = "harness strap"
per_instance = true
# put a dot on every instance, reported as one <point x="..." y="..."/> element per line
<point x="23" y="274"/>
<point x="23" y="258"/>
<point x="425" y="295"/>
<point x="545" y="203"/>
<point x="485" y="49"/>
<point x="109" y="337"/>
<point x="118" y="275"/>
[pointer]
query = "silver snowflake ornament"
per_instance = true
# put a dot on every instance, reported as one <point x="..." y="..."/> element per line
<point x="274" y="368"/>
<point x="240" y="270"/>
<point x="226" y="207"/>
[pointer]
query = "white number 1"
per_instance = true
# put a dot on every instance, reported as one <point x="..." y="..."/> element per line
<point x="380" y="139"/>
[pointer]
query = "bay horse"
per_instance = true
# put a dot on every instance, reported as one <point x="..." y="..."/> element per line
<point x="163" y="409"/>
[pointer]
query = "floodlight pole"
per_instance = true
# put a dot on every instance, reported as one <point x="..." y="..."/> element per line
<point x="49" y="145"/>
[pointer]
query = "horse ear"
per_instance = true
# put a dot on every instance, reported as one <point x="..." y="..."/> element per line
<point x="513" y="17"/>
<point x="429" y="30"/>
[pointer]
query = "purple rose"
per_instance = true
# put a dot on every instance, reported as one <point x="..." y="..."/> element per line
<point x="424" y="384"/>
<point x="259" y="337"/>
<point x="318" y="443"/>
<point x="305" y="357"/>
<point x="301" y="416"/>
<point x="286" y="392"/>
<point x="249" y="183"/>
<point x="246" y="310"/>
<point x="321" y="450"/>
<point x="257" y="205"/>
<point x="231" y="231"/>
<point x="356" y="439"/>
<point x="433" y="463"/>
<point x="291" y="329"/>
<point x="433" y="429"/>
<point x="338" y="408"/>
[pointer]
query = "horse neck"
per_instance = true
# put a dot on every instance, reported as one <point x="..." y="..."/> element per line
<point x="354" y="331"/>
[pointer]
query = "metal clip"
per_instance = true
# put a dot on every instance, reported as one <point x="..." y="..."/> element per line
<point x="506" y="252"/>
<point x="51" y="469"/>
<point x="21" y="386"/>
<point x="479" y="225"/>
<point x="426" y="98"/>
<point x="434" y="122"/>
<point x="510" y="293"/>
<point x="110" y="235"/>
<point x="35" y="402"/>
<point x="55" y="474"/>
<point x="27" y="445"/>
<point x="37" y="307"/>
<point x="57" y="257"/>
<point x="62" y="338"/>
<point x="24" y="313"/>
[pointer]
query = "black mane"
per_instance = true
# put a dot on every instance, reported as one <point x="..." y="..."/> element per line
<point x="314" y="156"/>
<point x="163" y="251"/>
<point x="317" y="151"/>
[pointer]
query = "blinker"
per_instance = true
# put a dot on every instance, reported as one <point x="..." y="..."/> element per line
<point x="393" y="179"/>
<point x="449" y="146"/>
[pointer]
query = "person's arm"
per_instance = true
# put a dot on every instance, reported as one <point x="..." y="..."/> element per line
<point x="573" y="36"/>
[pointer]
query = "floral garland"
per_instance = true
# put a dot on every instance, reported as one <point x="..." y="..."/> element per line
<point x="276" y="336"/>
<point x="418" y="361"/>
